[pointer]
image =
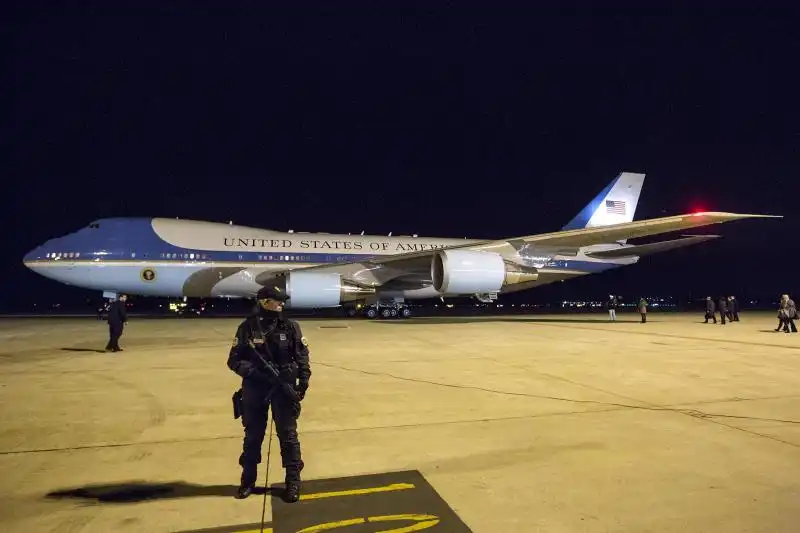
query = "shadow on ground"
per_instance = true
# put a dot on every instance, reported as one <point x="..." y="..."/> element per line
<point x="82" y="350"/>
<point x="138" y="491"/>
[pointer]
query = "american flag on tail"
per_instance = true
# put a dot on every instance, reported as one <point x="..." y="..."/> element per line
<point x="616" y="207"/>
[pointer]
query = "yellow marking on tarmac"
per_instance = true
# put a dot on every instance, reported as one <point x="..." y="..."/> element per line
<point x="424" y="521"/>
<point x="355" y="492"/>
<point x="333" y="525"/>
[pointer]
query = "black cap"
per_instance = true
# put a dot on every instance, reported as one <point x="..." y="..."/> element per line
<point x="273" y="293"/>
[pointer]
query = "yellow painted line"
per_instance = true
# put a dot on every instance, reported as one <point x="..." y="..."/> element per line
<point x="356" y="492"/>
<point x="266" y="530"/>
<point x="424" y="521"/>
<point x="333" y="525"/>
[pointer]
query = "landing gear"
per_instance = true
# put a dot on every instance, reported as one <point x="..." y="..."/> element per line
<point x="387" y="310"/>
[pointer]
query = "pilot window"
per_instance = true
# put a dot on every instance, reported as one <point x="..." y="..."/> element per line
<point x="94" y="225"/>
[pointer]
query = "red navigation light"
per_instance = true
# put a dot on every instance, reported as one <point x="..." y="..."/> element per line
<point x="697" y="210"/>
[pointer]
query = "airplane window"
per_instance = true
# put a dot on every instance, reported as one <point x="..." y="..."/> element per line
<point x="94" y="225"/>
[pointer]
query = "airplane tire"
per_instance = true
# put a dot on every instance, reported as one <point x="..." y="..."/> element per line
<point x="386" y="313"/>
<point x="393" y="312"/>
<point x="372" y="313"/>
<point x="406" y="312"/>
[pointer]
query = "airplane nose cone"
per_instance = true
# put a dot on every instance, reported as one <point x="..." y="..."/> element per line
<point x="32" y="256"/>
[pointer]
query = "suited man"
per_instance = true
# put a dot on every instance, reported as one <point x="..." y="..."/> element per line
<point x="117" y="318"/>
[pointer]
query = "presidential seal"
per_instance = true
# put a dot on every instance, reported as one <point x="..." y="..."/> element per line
<point x="148" y="274"/>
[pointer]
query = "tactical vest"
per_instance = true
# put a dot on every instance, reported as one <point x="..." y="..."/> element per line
<point x="275" y="344"/>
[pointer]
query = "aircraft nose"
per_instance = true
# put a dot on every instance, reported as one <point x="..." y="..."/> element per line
<point x="34" y="255"/>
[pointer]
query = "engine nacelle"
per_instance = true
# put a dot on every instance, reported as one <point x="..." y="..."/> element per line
<point x="318" y="289"/>
<point x="470" y="272"/>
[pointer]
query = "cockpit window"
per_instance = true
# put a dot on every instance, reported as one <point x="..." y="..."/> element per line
<point x="94" y="225"/>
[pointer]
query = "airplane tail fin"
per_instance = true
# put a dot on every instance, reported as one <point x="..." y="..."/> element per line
<point x="615" y="204"/>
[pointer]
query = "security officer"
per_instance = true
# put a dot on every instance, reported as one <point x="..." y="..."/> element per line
<point x="267" y="341"/>
<point x="722" y="304"/>
<point x="117" y="318"/>
<point x="710" y="310"/>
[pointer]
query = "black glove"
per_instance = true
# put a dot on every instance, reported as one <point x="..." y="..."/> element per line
<point x="301" y="389"/>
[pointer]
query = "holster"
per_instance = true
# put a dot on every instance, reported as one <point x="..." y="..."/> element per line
<point x="237" y="404"/>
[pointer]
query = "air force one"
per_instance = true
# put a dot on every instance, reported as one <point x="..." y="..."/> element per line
<point x="187" y="258"/>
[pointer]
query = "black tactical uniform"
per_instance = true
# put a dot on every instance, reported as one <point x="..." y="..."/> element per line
<point x="117" y="316"/>
<point x="734" y="309"/>
<point x="267" y="340"/>
<point x="710" y="310"/>
<point x="723" y="309"/>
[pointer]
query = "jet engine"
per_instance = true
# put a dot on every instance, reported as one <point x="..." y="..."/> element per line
<point x="470" y="272"/>
<point x="318" y="289"/>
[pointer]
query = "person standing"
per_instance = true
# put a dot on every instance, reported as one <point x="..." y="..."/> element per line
<point x="271" y="356"/>
<point x="723" y="309"/>
<point x="643" y="309"/>
<point x="787" y="312"/>
<point x="710" y="310"/>
<point x="612" y="305"/>
<point x="117" y="318"/>
<point x="734" y="309"/>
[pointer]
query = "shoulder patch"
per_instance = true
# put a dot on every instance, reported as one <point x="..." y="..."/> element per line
<point x="304" y="341"/>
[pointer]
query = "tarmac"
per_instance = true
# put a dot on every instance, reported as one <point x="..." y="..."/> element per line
<point x="527" y="424"/>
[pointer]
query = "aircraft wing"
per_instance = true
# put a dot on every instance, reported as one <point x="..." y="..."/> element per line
<point x="652" y="248"/>
<point x="381" y="269"/>
<point x="630" y="230"/>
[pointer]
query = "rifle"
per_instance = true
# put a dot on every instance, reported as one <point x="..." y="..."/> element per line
<point x="271" y="371"/>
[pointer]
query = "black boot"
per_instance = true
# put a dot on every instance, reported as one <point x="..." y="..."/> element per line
<point x="247" y="486"/>
<point x="292" y="492"/>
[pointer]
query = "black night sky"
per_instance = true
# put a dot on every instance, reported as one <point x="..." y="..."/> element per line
<point x="479" y="120"/>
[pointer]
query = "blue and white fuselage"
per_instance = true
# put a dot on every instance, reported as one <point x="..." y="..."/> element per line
<point x="177" y="258"/>
<point x="174" y="258"/>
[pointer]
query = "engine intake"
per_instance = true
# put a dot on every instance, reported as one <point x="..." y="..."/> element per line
<point x="469" y="272"/>
<point x="318" y="289"/>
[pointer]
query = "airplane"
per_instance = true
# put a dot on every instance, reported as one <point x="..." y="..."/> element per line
<point x="189" y="258"/>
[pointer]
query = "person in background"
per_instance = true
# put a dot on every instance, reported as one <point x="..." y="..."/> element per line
<point x="102" y="308"/>
<point x="612" y="305"/>
<point x="710" y="310"/>
<point x="734" y="309"/>
<point x="643" y="309"/>
<point x="117" y="318"/>
<point x="787" y="312"/>
<point x="723" y="308"/>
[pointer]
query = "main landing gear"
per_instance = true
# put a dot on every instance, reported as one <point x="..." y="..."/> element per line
<point x="387" y="310"/>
